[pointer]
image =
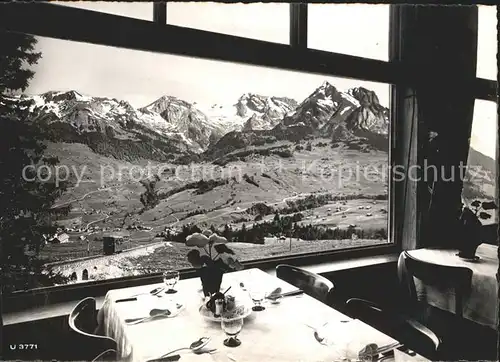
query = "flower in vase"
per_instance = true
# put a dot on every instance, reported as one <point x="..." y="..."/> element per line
<point x="197" y="239"/>
<point x="212" y="257"/>
<point x="470" y="225"/>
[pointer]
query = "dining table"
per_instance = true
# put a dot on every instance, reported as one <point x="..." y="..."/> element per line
<point x="284" y="331"/>
<point x="480" y="303"/>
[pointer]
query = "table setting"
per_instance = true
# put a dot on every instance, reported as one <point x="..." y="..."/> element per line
<point x="246" y="315"/>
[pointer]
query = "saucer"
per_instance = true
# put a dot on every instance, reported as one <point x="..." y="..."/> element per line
<point x="473" y="259"/>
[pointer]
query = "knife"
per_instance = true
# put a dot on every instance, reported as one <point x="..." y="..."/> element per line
<point x="174" y="357"/>
<point x="293" y="292"/>
<point x="155" y="291"/>
<point x="287" y="294"/>
<point x="126" y="300"/>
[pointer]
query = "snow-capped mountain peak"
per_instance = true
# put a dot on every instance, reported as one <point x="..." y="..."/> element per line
<point x="265" y="112"/>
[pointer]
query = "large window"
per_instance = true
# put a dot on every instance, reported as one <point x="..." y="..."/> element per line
<point x="487" y="43"/>
<point x="480" y="181"/>
<point x="268" y="22"/>
<point x="157" y="146"/>
<point x="355" y="29"/>
<point x="139" y="10"/>
<point x="279" y="162"/>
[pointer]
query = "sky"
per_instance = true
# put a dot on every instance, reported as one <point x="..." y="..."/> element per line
<point x="142" y="77"/>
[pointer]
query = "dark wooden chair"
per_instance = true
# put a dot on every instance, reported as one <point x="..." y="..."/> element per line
<point x="413" y="322"/>
<point x="448" y="277"/>
<point x="86" y="345"/>
<point x="406" y="330"/>
<point x="312" y="284"/>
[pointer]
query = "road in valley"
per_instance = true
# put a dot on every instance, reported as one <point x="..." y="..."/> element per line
<point x="82" y="197"/>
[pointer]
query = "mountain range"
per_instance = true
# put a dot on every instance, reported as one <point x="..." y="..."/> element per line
<point x="171" y="129"/>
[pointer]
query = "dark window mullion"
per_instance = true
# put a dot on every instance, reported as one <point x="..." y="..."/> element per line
<point x="486" y="89"/>
<point x="160" y="12"/>
<point x="298" y="25"/>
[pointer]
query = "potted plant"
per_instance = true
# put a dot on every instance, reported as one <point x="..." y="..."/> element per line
<point x="470" y="226"/>
<point x="212" y="257"/>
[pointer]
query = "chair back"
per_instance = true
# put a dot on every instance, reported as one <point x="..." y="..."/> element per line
<point x="86" y="345"/>
<point x="443" y="276"/>
<point x="408" y="331"/>
<point x="312" y="284"/>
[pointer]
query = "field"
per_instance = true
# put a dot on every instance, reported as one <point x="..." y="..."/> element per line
<point x="110" y="204"/>
<point x="174" y="256"/>
<point x="171" y="255"/>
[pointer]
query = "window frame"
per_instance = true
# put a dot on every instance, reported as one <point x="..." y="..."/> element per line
<point x="69" y="23"/>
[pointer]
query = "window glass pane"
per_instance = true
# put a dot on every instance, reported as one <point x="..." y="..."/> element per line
<point x="480" y="182"/>
<point x="487" y="43"/>
<point x="355" y="29"/>
<point x="290" y="162"/>
<point x="137" y="10"/>
<point x="268" y="22"/>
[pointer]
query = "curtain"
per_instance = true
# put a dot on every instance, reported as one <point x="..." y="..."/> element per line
<point x="441" y="55"/>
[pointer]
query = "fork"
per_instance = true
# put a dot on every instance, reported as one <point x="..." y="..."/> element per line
<point x="370" y="355"/>
<point x="389" y="347"/>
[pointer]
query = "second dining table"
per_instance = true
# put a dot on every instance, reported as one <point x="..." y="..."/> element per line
<point x="480" y="303"/>
<point x="282" y="332"/>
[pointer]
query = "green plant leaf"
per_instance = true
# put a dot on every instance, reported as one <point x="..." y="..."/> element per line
<point x="489" y="205"/>
<point x="234" y="264"/>
<point x="197" y="239"/>
<point x="476" y="203"/>
<point x="222" y="248"/>
<point x="222" y="265"/>
<point x="484" y="215"/>
<point x="216" y="239"/>
<point x="194" y="258"/>
<point x="205" y="260"/>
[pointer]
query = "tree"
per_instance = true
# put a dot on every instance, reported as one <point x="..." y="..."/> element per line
<point x="243" y="233"/>
<point x="277" y="223"/>
<point x="227" y="233"/>
<point x="26" y="196"/>
<point x="17" y="50"/>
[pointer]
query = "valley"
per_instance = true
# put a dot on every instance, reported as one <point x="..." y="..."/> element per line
<point x="275" y="176"/>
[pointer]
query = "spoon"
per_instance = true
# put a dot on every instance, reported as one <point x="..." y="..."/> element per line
<point x="194" y="347"/>
<point x="154" y="313"/>
<point x="155" y="291"/>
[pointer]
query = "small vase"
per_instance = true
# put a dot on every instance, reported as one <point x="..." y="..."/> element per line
<point x="211" y="279"/>
<point x="470" y="235"/>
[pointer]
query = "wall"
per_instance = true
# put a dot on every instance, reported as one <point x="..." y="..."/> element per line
<point x="44" y="340"/>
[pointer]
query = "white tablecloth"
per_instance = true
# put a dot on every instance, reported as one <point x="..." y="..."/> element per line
<point x="481" y="303"/>
<point x="277" y="334"/>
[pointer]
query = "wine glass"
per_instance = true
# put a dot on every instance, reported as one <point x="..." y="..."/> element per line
<point x="257" y="294"/>
<point x="170" y="278"/>
<point x="231" y="325"/>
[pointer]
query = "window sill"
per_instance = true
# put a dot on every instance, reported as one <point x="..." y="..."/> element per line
<point x="63" y="309"/>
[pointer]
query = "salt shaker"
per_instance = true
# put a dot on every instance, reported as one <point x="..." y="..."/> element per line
<point x="218" y="307"/>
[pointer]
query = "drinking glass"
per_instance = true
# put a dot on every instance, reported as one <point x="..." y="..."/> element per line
<point x="231" y="326"/>
<point x="257" y="294"/>
<point x="170" y="278"/>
